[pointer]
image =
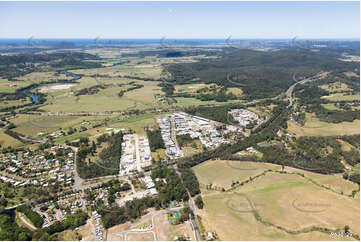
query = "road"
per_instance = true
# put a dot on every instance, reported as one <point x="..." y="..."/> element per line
<point x="197" y="232"/>
<point x="290" y="90"/>
<point x="15" y="206"/>
<point x="151" y="229"/>
<point x="174" y="137"/>
<point x="29" y="225"/>
<point x="137" y="153"/>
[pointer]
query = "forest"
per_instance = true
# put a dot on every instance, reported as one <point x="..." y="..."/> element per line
<point x="310" y="96"/>
<point x="155" y="139"/>
<point x="170" y="190"/>
<point x="12" y="66"/>
<point x="108" y="162"/>
<point x="33" y="216"/>
<point x="130" y="211"/>
<point x="10" y="230"/>
<point x="190" y="181"/>
<point x="260" y="74"/>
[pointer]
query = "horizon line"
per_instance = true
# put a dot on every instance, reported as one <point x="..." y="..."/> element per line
<point x="180" y="38"/>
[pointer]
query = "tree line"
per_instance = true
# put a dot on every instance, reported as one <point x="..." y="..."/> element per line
<point x="155" y="139"/>
<point x="108" y="162"/>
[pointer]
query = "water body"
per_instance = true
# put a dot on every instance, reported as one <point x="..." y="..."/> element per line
<point x="75" y="76"/>
<point x="35" y="98"/>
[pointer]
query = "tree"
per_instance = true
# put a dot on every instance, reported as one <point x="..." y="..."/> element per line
<point x="199" y="202"/>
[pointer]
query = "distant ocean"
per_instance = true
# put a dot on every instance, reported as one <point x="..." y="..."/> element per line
<point x="44" y="42"/>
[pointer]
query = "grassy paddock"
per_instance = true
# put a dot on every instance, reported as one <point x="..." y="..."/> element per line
<point x="140" y="237"/>
<point x="276" y="198"/>
<point x="315" y="127"/>
<point x="221" y="173"/>
<point x="6" y="140"/>
<point x="342" y="97"/>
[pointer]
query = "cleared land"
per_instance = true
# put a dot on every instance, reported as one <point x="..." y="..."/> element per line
<point x="6" y="140"/>
<point x="286" y="200"/>
<point x="315" y="127"/>
<point x="31" y="125"/>
<point x="167" y="231"/>
<point x="335" y="87"/>
<point x="140" y="236"/>
<point x="221" y="173"/>
<point x="342" y="97"/>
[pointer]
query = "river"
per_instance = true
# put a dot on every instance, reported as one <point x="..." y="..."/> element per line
<point x="35" y="98"/>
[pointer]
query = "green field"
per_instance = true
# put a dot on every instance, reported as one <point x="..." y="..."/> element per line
<point x="330" y="106"/>
<point x="342" y="97"/>
<point x="31" y="125"/>
<point x="335" y="87"/>
<point x="6" y="140"/>
<point x="72" y="137"/>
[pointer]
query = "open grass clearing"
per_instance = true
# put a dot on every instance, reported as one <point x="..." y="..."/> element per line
<point x="140" y="236"/>
<point x="315" y="127"/>
<point x="351" y="74"/>
<point x="86" y="231"/>
<point x="330" y="106"/>
<point x="235" y="90"/>
<point x="136" y="123"/>
<point x="342" y="97"/>
<point x="276" y="197"/>
<point x="335" y="182"/>
<point x="28" y="79"/>
<point x="6" y="140"/>
<point x="167" y="231"/>
<point x="221" y="173"/>
<point x="108" y="100"/>
<point x="72" y="137"/>
<point x="335" y="87"/>
<point x="31" y="125"/>
<point x="345" y="146"/>
<point x="12" y="103"/>
<point x="231" y="225"/>
<point x="193" y="147"/>
<point x="159" y="155"/>
<point x="289" y="201"/>
<point x="67" y="235"/>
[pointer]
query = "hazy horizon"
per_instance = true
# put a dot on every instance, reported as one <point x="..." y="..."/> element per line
<point x="180" y="20"/>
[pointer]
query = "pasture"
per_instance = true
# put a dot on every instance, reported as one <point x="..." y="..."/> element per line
<point x="140" y="236"/>
<point x="335" y="87"/>
<point x="31" y="125"/>
<point x="285" y="200"/>
<point x="342" y="97"/>
<point x="168" y="231"/>
<point x="221" y="173"/>
<point x="6" y="140"/>
<point x="315" y="127"/>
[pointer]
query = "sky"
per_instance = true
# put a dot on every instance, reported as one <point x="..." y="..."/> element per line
<point x="180" y="20"/>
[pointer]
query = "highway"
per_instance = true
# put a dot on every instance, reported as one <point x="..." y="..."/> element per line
<point x="290" y="90"/>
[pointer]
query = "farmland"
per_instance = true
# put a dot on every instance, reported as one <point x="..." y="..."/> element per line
<point x="119" y="131"/>
<point x="280" y="199"/>
<point x="315" y="127"/>
<point x="221" y="173"/>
